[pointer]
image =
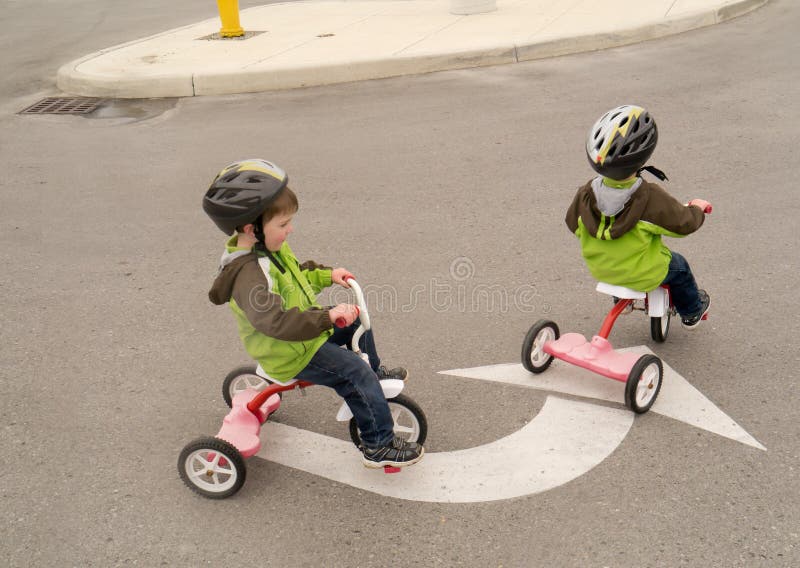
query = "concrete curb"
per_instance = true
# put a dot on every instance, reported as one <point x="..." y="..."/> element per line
<point x="668" y="27"/>
<point x="298" y="77"/>
<point x="214" y="82"/>
<point x="70" y="80"/>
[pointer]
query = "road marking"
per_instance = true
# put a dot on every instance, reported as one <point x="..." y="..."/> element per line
<point x="564" y="440"/>
<point x="678" y="399"/>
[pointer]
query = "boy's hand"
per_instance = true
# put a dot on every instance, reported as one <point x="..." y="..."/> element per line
<point x="702" y="204"/>
<point x="343" y="314"/>
<point x="340" y="276"/>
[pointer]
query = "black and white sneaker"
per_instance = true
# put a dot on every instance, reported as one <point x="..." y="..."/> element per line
<point x="691" y="322"/>
<point x="396" y="373"/>
<point x="398" y="453"/>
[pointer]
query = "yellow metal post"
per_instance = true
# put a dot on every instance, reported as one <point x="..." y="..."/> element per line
<point x="229" y="14"/>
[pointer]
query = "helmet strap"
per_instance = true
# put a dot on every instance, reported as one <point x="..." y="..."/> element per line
<point x="261" y="244"/>
<point x="655" y="171"/>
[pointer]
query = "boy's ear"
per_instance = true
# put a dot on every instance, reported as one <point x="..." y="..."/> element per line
<point x="249" y="230"/>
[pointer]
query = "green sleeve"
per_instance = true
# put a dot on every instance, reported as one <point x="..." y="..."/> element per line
<point x="318" y="276"/>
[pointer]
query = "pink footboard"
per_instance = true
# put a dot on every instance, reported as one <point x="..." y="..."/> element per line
<point x="241" y="427"/>
<point x="596" y="355"/>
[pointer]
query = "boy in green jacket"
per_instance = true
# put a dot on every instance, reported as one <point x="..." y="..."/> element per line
<point x="619" y="218"/>
<point x="273" y="298"/>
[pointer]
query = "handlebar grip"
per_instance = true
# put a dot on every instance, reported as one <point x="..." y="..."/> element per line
<point x="341" y="322"/>
<point x="708" y="209"/>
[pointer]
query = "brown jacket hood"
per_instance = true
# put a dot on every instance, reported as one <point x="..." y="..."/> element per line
<point x="650" y="203"/>
<point x="232" y="263"/>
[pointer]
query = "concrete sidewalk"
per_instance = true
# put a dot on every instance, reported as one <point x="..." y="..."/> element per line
<point x="310" y="43"/>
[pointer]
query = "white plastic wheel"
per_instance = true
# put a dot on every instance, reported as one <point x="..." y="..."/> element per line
<point x="644" y="383"/>
<point x="212" y="467"/>
<point x="406" y="424"/>
<point x="534" y="357"/>
<point x="241" y="379"/>
<point x="410" y="423"/>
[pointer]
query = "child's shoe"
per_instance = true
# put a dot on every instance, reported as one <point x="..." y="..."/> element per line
<point x="396" y="373"/>
<point x="398" y="453"/>
<point x="691" y="322"/>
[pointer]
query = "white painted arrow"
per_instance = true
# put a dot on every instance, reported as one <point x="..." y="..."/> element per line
<point x="564" y="441"/>
<point x="678" y="399"/>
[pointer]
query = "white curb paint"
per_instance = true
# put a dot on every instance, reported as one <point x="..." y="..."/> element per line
<point x="678" y="399"/>
<point x="564" y="441"/>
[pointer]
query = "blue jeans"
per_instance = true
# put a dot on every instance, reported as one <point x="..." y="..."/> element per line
<point x="682" y="286"/>
<point x="344" y="336"/>
<point x="354" y="381"/>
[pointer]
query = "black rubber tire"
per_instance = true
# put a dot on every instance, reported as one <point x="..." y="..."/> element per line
<point x="229" y="383"/>
<point x="407" y="404"/>
<point x="659" y="327"/>
<point x="529" y="343"/>
<point x="187" y="471"/>
<point x="635" y="376"/>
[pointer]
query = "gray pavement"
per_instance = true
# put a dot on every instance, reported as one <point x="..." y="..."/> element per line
<point x="301" y="44"/>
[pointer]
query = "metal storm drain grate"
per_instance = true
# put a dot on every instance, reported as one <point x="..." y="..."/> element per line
<point x="63" y="105"/>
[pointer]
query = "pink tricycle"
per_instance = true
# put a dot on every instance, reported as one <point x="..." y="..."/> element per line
<point x="214" y="466"/>
<point x="642" y="374"/>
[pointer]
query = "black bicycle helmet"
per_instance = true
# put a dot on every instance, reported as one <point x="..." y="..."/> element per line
<point x="241" y="193"/>
<point x="621" y="141"/>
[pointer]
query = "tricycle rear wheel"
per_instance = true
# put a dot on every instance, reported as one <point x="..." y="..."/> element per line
<point x="534" y="358"/>
<point x="644" y="383"/>
<point x="240" y="379"/>
<point x="212" y="467"/>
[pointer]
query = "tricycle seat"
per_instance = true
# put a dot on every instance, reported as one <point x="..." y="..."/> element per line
<point x="620" y="291"/>
<point x="263" y="374"/>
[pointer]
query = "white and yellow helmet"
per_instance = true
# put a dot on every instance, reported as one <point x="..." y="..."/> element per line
<point x="621" y="141"/>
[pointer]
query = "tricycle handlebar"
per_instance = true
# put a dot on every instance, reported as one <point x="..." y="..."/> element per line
<point x="361" y="304"/>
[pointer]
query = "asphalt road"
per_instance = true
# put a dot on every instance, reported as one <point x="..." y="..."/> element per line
<point x="112" y="356"/>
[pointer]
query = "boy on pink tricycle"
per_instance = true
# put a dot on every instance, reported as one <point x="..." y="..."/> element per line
<point x="273" y="298"/>
<point x="619" y="217"/>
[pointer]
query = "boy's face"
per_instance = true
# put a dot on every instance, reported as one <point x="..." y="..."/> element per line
<point x="277" y="229"/>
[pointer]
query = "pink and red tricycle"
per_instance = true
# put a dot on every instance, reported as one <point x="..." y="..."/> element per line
<point x="214" y="466"/>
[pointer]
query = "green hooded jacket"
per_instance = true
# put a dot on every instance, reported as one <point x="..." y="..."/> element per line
<point x="280" y="322"/>
<point x="625" y="248"/>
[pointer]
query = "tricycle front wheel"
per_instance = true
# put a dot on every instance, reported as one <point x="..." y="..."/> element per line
<point x="659" y="327"/>
<point x="410" y="423"/>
